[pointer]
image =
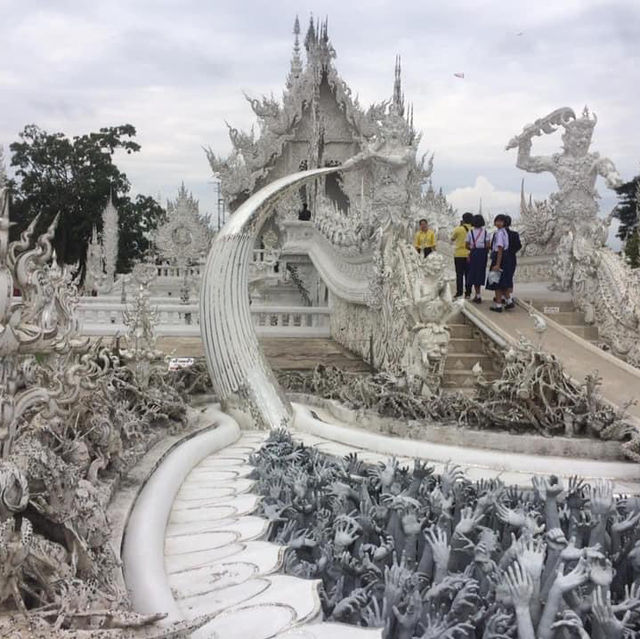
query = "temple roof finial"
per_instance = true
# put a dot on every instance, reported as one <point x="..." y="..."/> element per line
<point x="296" y="60"/>
<point x="398" y="98"/>
<point x="310" y="37"/>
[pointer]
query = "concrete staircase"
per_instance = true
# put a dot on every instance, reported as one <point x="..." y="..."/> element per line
<point x="566" y="314"/>
<point x="464" y="352"/>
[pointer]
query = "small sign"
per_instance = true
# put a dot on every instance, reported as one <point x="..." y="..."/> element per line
<point x="176" y="363"/>
<point x="551" y="310"/>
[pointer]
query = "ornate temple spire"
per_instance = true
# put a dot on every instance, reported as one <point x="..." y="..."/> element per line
<point x="296" y="60"/>
<point x="310" y="38"/>
<point x="397" y="104"/>
<point x="110" y="237"/>
<point x="320" y="52"/>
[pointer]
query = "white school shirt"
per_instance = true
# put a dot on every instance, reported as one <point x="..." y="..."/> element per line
<point x="477" y="237"/>
<point x="501" y="239"/>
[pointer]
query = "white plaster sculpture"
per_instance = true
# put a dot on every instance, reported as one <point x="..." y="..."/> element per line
<point x="96" y="279"/>
<point x="238" y="368"/>
<point x="537" y="226"/>
<point x="183" y="239"/>
<point x="568" y="228"/>
<point x="574" y="206"/>
<point x="40" y="320"/>
<point x="319" y="123"/>
<point x="141" y="353"/>
<point x="110" y="236"/>
<point x="370" y="208"/>
<point x="72" y="422"/>
<point x="102" y="253"/>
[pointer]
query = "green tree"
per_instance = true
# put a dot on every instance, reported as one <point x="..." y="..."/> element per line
<point x="137" y="219"/>
<point x="73" y="177"/>
<point x="632" y="248"/>
<point x="632" y="243"/>
<point x="626" y="210"/>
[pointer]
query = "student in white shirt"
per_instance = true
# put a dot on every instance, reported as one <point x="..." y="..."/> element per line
<point x="478" y="244"/>
<point x="500" y="263"/>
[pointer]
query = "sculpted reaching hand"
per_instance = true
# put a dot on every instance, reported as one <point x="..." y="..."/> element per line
<point x="408" y="620"/>
<point x="441" y="550"/>
<point x="347" y="530"/>
<point x="610" y="626"/>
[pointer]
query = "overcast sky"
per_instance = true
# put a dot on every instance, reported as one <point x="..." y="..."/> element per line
<point x="176" y="71"/>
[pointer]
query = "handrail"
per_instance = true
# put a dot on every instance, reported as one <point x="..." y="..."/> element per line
<point x="612" y="359"/>
<point x="492" y="331"/>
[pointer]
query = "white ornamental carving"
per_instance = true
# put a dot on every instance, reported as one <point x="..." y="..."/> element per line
<point x="183" y="239"/>
<point x="574" y="207"/>
<point x="568" y="228"/>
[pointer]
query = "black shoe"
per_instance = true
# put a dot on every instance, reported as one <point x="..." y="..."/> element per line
<point x="457" y="295"/>
<point x="477" y="300"/>
<point x="509" y="306"/>
<point x="496" y="309"/>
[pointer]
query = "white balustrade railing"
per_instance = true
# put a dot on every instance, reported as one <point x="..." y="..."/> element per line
<point x="166" y="270"/>
<point x="107" y="318"/>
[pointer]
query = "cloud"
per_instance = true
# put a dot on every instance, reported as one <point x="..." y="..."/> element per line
<point x="494" y="201"/>
<point x="176" y="71"/>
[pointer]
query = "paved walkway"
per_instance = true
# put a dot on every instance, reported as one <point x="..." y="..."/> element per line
<point x="620" y="382"/>
<point x="218" y="563"/>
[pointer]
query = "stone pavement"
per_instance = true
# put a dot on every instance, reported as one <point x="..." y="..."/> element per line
<point x="620" y="382"/>
<point x="283" y="353"/>
<point x="218" y="563"/>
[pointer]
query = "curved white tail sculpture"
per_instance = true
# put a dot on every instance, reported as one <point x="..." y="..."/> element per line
<point x="236" y="363"/>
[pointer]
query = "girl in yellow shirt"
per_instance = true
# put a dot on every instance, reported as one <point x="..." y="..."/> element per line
<point x="424" y="240"/>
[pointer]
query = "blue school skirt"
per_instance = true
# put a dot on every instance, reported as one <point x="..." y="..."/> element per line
<point x="508" y="268"/>
<point x="477" y="272"/>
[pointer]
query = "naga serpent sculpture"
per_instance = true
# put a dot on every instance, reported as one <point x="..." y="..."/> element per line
<point x="239" y="371"/>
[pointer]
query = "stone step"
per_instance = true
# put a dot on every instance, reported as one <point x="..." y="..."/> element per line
<point x="461" y="331"/>
<point x="463" y="345"/>
<point x="584" y="331"/>
<point x="466" y="361"/>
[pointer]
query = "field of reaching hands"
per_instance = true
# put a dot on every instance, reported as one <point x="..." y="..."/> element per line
<point x="437" y="556"/>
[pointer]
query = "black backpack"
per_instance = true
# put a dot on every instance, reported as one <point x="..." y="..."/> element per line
<point x="514" y="241"/>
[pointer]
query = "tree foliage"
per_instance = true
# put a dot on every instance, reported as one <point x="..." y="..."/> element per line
<point x="73" y="177"/>
<point x="632" y="248"/>
<point x="626" y="210"/>
<point x="137" y="219"/>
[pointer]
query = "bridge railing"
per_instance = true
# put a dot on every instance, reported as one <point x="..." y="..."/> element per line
<point x="107" y="318"/>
